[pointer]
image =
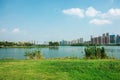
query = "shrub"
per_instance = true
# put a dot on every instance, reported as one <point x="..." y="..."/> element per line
<point x="33" y="55"/>
<point x="93" y="52"/>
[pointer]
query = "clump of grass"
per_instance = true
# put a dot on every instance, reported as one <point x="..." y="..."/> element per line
<point x="33" y="55"/>
<point x="93" y="52"/>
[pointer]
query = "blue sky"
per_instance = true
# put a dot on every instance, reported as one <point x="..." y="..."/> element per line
<point x="46" y="20"/>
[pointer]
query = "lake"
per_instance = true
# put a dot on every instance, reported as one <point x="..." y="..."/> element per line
<point x="61" y="51"/>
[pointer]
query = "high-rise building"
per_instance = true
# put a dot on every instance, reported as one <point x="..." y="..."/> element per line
<point x="63" y="43"/>
<point x="81" y="40"/>
<point x="77" y="41"/>
<point x="91" y="39"/>
<point x="103" y="39"/>
<point x="95" y="40"/>
<point x="100" y="40"/>
<point x="107" y="38"/>
<point x="118" y="39"/>
<point x="112" y="39"/>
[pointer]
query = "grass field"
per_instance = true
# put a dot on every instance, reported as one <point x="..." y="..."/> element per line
<point x="60" y="69"/>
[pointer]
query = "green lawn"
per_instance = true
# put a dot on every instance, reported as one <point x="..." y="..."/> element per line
<point x="60" y="69"/>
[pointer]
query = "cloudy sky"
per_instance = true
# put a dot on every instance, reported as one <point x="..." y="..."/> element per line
<point x="45" y="20"/>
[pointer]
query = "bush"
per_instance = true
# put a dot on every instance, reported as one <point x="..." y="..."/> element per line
<point x="33" y="55"/>
<point x="93" y="52"/>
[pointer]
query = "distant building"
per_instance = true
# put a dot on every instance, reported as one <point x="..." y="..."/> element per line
<point x="77" y="41"/>
<point x="68" y="43"/>
<point x="80" y="40"/>
<point x="46" y="43"/>
<point x="91" y="39"/>
<point x="103" y="39"/>
<point x="107" y="38"/>
<point x="118" y="39"/>
<point x="63" y="43"/>
<point x="100" y="40"/>
<point x="112" y="39"/>
<point x="96" y="40"/>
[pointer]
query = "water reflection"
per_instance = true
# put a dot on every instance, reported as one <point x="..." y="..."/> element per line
<point x="53" y="48"/>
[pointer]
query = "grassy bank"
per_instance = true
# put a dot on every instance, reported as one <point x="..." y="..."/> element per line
<point x="60" y="69"/>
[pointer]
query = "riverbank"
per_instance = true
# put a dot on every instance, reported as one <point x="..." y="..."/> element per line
<point x="47" y="46"/>
<point x="24" y="46"/>
<point x="29" y="46"/>
<point x="68" y="69"/>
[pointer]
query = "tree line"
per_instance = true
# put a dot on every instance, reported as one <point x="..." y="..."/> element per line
<point x="6" y="43"/>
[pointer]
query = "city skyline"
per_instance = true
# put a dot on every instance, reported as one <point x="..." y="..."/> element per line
<point x="103" y="39"/>
<point x="55" y="20"/>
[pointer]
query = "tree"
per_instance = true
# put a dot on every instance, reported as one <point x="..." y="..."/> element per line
<point x="53" y="43"/>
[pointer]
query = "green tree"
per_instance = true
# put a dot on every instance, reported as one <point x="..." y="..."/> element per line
<point x="53" y="43"/>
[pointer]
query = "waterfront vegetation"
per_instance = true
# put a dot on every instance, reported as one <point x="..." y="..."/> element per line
<point x="91" y="52"/>
<point x="36" y="54"/>
<point x="53" y="43"/>
<point x="95" y="66"/>
<point x="8" y="44"/>
<point x="95" y="52"/>
<point x="55" y="69"/>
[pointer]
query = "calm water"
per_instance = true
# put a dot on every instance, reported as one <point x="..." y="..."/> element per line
<point x="63" y="51"/>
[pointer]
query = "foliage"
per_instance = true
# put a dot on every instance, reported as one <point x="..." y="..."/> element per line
<point x="6" y="43"/>
<point x="53" y="43"/>
<point x="93" y="52"/>
<point x="60" y="69"/>
<point x="33" y="55"/>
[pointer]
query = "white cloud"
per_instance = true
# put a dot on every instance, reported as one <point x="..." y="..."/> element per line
<point x="16" y="30"/>
<point x="91" y="12"/>
<point x="111" y="13"/>
<point x="114" y="12"/>
<point x="74" y="11"/>
<point x="100" y="21"/>
<point x="103" y="17"/>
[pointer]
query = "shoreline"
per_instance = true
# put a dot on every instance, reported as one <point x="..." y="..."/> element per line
<point x="49" y="46"/>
